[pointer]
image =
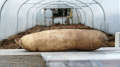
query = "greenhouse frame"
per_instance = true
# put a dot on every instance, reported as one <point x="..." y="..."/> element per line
<point x="18" y="15"/>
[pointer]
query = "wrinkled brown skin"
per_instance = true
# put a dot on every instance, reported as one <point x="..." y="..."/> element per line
<point x="64" y="39"/>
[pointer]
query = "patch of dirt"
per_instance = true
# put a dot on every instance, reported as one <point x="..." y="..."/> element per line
<point x="10" y="43"/>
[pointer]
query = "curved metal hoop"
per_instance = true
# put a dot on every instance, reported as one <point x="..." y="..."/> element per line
<point x="79" y="1"/>
<point x="2" y="9"/>
<point x="104" y="15"/>
<point x="60" y="1"/>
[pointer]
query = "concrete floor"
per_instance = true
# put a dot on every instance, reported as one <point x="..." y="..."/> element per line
<point x="104" y="57"/>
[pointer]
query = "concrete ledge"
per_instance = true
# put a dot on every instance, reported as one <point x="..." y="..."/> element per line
<point x="104" y="57"/>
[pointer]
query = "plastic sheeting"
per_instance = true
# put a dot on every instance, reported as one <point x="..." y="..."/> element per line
<point x="19" y="15"/>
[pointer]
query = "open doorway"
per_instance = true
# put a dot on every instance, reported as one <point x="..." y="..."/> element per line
<point x="58" y="16"/>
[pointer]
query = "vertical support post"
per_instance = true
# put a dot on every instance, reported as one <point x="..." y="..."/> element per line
<point x="52" y="16"/>
<point x="117" y="39"/>
<point x="62" y="15"/>
<point x="77" y="15"/>
<point x="72" y="15"/>
<point x="45" y="17"/>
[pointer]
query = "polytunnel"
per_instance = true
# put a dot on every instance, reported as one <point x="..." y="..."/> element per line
<point x="18" y="15"/>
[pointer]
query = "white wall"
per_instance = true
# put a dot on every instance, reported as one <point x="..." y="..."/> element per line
<point x="8" y="22"/>
<point x="112" y="8"/>
<point x="112" y="12"/>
